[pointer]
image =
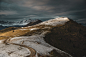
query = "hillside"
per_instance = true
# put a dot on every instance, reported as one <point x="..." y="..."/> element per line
<point x="70" y="37"/>
<point x="59" y="37"/>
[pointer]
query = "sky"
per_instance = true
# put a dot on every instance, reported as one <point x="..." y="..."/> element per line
<point x="42" y="9"/>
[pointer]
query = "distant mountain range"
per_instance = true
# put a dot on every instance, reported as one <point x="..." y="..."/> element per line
<point x="2" y="27"/>
<point x="5" y="24"/>
<point x="16" y="23"/>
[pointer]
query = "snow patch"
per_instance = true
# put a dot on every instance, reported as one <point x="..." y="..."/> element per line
<point x="1" y="41"/>
<point x="33" y="29"/>
<point x="56" y="21"/>
<point x="13" y="51"/>
<point x="23" y="29"/>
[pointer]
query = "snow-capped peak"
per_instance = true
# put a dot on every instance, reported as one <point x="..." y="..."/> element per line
<point x="15" y="23"/>
<point x="56" y="21"/>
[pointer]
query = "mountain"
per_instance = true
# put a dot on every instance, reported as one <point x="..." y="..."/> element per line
<point x="33" y="23"/>
<point x="84" y="24"/>
<point x="16" y="23"/>
<point x="59" y="37"/>
<point x="29" y="22"/>
<point x="2" y="27"/>
<point x="5" y="22"/>
<point x="70" y="37"/>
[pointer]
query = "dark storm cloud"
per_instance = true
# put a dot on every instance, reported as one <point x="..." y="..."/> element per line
<point x="22" y="9"/>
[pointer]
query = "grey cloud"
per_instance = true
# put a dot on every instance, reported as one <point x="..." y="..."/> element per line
<point x="7" y="12"/>
<point x="44" y="8"/>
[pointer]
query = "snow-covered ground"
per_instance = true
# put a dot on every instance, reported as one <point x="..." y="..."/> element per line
<point x="13" y="51"/>
<point x="35" y="41"/>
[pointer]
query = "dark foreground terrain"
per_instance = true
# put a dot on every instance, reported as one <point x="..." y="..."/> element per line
<point x="70" y="37"/>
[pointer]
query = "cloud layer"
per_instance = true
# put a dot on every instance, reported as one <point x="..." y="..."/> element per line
<point x="25" y="9"/>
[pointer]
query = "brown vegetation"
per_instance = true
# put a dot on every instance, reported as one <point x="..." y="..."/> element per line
<point x="70" y="37"/>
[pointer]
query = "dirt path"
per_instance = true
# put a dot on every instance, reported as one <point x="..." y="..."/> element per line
<point x="33" y="52"/>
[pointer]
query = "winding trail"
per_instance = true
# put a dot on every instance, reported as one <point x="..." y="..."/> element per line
<point x="33" y="52"/>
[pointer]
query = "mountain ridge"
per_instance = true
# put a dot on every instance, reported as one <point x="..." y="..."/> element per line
<point x="47" y="38"/>
<point x="16" y="23"/>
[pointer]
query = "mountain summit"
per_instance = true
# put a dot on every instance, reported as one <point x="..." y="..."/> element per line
<point x="59" y="37"/>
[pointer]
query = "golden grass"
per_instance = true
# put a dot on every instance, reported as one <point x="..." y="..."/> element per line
<point x="10" y="33"/>
<point x="16" y="32"/>
<point x="13" y="33"/>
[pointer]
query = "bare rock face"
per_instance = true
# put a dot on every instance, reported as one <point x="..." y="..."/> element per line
<point x="33" y="23"/>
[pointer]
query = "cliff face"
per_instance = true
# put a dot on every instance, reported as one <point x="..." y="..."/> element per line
<point x="60" y="37"/>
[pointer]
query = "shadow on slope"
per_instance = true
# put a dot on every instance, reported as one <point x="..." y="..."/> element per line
<point x="70" y="37"/>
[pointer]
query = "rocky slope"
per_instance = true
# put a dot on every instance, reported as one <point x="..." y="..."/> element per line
<point x="59" y="37"/>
